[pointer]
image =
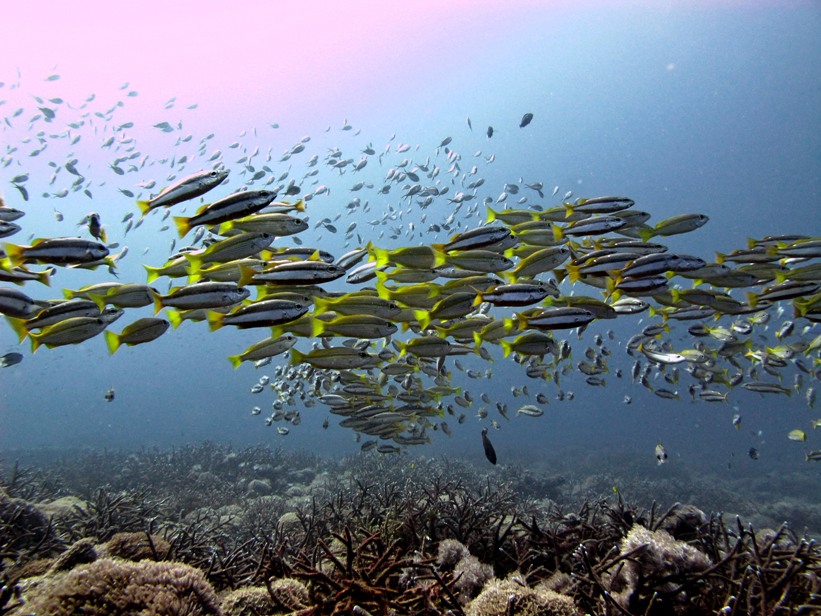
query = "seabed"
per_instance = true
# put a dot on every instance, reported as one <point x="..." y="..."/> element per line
<point x="208" y="529"/>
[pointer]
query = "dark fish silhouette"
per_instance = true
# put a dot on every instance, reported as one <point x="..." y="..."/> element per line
<point x="489" y="132"/>
<point x="490" y="453"/>
<point x="526" y="118"/>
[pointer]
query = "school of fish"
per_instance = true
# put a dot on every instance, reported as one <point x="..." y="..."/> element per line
<point x="457" y="270"/>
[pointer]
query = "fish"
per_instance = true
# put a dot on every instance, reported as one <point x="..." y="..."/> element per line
<point x="265" y="313"/>
<point x="109" y="395"/>
<point x="16" y="304"/>
<point x="189" y="187"/>
<point x="553" y="318"/>
<point x="69" y="331"/>
<point x="355" y="326"/>
<point x="675" y="225"/>
<point x="95" y="227"/>
<point x="530" y="410"/>
<point x="526" y="119"/>
<point x="10" y="359"/>
<point x="333" y="358"/>
<point x="294" y="273"/>
<point x="139" y="332"/>
<point x="233" y="248"/>
<point x="275" y="223"/>
<point x="269" y="347"/>
<point x="490" y="452"/>
<point x="57" y="251"/>
<point x="661" y="454"/>
<point x="429" y="286"/>
<point x="202" y="295"/>
<point x="237" y="205"/>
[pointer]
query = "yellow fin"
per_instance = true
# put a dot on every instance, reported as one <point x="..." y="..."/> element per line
<point x="112" y="341"/>
<point x="183" y="225"/>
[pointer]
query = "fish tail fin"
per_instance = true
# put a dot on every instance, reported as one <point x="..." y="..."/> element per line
<point x="611" y="290"/>
<point x="382" y="256"/>
<point x="780" y="277"/>
<point x="98" y="299"/>
<point x="246" y="275"/>
<point x="423" y="317"/>
<point x="321" y="305"/>
<point x="236" y="360"/>
<point x="574" y="273"/>
<point x="14" y="255"/>
<point x="720" y="257"/>
<point x="647" y="233"/>
<point x="511" y="324"/>
<point x="477" y="339"/>
<point x="558" y="232"/>
<point x="103" y="236"/>
<point x="440" y="257"/>
<point x="752" y="299"/>
<point x="112" y="341"/>
<point x="158" y="304"/>
<point x="569" y="208"/>
<point x="507" y="347"/>
<point x="44" y="277"/>
<point x="19" y="327"/>
<point x="195" y="261"/>
<point x="299" y="206"/>
<point x="491" y="214"/>
<point x="153" y="273"/>
<point x="145" y="207"/>
<point x="297" y="357"/>
<point x="383" y="291"/>
<point x="175" y="318"/>
<point x="318" y="327"/>
<point x="183" y="225"/>
<point x="194" y="277"/>
<point x="479" y="298"/>
<point x="35" y="341"/>
<point x="215" y="320"/>
<point x="382" y="277"/>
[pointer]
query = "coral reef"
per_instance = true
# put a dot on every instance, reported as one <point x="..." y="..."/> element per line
<point x="511" y="596"/>
<point x="109" y="586"/>
<point x="372" y="535"/>
<point x="136" y="546"/>
<point x="654" y="559"/>
<point x="282" y="596"/>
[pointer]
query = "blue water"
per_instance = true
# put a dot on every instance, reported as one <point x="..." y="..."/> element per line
<point x="685" y="109"/>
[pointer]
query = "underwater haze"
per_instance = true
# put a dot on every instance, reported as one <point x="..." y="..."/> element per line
<point x="707" y="108"/>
